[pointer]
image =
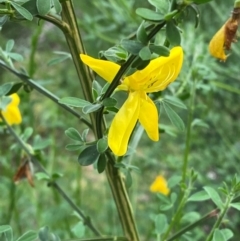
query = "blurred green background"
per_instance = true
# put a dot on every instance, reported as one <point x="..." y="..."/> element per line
<point x="215" y="148"/>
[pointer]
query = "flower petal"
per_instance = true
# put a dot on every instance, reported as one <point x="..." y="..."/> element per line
<point x="216" y="45"/>
<point x="158" y="74"/>
<point x="106" y="69"/>
<point x="160" y="185"/>
<point x="168" y="69"/>
<point x="148" y="117"/>
<point x="123" y="124"/>
<point x="12" y="114"/>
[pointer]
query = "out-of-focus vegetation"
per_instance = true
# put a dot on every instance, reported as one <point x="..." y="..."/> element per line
<point x="214" y="147"/>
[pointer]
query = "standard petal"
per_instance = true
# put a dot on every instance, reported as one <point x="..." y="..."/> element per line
<point x="123" y="124"/>
<point x="167" y="71"/>
<point x="12" y="114"/>
<point x="106" y="69"/>
<point x="148" y="117"/>
<point x="159" y="73"/>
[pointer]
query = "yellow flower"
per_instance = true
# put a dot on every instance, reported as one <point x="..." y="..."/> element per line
<point x="12" y="113"/>
<point x="216" y="45"/>
<point x="155" y="77"/>
<point x="223" y="39"/>
<point x="160" y="185"/>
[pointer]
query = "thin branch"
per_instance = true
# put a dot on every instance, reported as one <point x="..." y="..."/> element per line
<point x="45" y="92"/>
<point x="86" y="220"/>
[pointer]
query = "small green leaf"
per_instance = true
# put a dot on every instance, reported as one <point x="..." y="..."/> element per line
<point x="175" y="101"/>
<point x="163" y="198"/>
<point x="9" y="45"/>
<point x="173" y="34"/>
<point x="22" y="11"/>
<point x="3" y="20"/>
<point x="74" y="147"/>
<point x="102" y="145"/>
<point x="43" y="234"/>
<point x="190" y="217"/>
<point x="227" y="233"/>
<point x="214" y="196"/>
<point x="84" y="135"/>
<point x="145" y="53"/>
<point x="199" y="196"/>
<point x="173" y="181"/>
<point x="140" y="64"/>
<point x="142" y="34"/>
<point x="165" y="207"/>
<point x="88" y="156"/>
<point x="96" y="86"/>
<point x="132" y="46"/>
<point x="199" y="122"/>
<point x="27" y="133"/>
<point x="5" y="88"/>
<point x="57" y="6"/>
<point x="116" y="54"/>
<point x="4" y="102"/>
<point x="56" y="176"/>
<point x="15" y="88"/>
<point x="73" y="134"/>
<point x="42" y="176"/>
<point x="31" y="6"/>
<point x="43" y="6"/>
<point x="218" y="236"/>
<point x="161" y="5"/>
<point x="73" y="101"/>
<point x="79" y="229"/>
<point x="174" y="117"/>
<point x="101" y="164"/>
<point x="57" y="60"/>
<point x="15" y="56"/>
<point x="109" y="102"/>
<point x="5" y="228"/>
<point x="91" y="108"/>
<point x="160" y="50"/>
<point x="149" y="14"/>
<point x="105" y="87"/>
<point x="235" y="205"/>
<point x="28" y="236"/>
<point x="39" y="144"/>
<point x="161" y="223"/>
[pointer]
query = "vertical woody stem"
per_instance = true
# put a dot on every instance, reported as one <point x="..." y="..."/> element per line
<point x="118" y="189"/>
<point x="75" y="44"/>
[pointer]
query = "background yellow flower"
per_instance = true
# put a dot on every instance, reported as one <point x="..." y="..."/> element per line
<point x="12" y="113"/>
<point x="160" y="185"/>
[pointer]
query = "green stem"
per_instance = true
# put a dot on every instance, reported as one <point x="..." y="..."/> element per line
<point x="211" y="214"/>
<point x="221" y="216"/>
<point x="121" y="199"/>
<point x="87" y="220"/>
<point x="34" y="44"/>
<point x="178" y="213"/>
<point x="76" y="47"/>
<point x="188" y="135"/>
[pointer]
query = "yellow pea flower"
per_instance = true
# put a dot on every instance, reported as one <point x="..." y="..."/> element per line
<point x="160" y="185"/>
<point x="155" y="77"/>
<point x="12" y="113"/>
<point x="224" y="37"/>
